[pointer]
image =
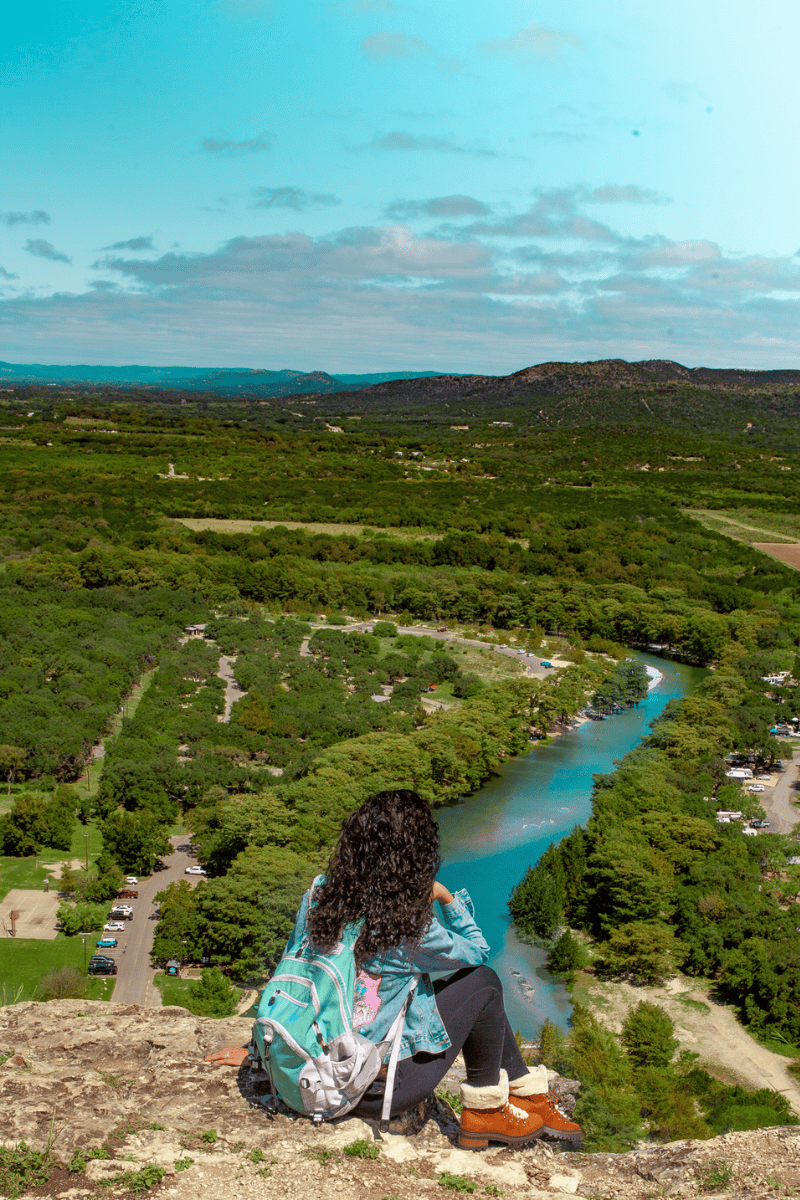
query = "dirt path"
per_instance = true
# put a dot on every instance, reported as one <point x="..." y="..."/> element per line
<point x="232" y="690"/>
<point x="706" y="1028"/>
<point x="703" y="514"/>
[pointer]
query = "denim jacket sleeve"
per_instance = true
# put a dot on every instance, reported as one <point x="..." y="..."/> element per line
<point x="454" y="942"/>
<point x="445" y="947"/>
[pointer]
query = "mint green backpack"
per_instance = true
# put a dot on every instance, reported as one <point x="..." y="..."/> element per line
<point x="303" y="1036"/>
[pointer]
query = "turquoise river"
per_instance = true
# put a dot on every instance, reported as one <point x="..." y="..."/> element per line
<point x="491" y="838"/>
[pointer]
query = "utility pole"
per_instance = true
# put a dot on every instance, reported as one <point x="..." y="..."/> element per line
<point x="86" y="836"/>
<point x="83" y="939"/>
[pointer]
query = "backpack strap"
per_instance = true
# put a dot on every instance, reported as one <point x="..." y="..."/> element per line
<point x="396" y="1036"/>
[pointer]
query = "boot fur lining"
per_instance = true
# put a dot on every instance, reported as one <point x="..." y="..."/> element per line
<point x="482" y="1098"/>
<point x="535" y="1083"/>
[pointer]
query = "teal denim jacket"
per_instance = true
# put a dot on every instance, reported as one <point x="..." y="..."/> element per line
<point x="446" y="946"/>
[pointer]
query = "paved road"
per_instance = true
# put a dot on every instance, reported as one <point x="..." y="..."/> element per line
<point x="134" y="983"/>
<point x="782" y="813"/>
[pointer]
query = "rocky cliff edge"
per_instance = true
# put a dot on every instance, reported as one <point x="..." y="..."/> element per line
<point x="132" y="1084"/>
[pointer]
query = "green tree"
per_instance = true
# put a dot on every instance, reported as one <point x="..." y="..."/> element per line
<point x="645" y="951"/>
<point x="177" y="931"/>
<point x="608" y="1106"/>
<point x="537" y="902"/>
<point x="81" y="917"/>
<point x="214" y="995"/>
<point x="25" y="828"/>
<point x="59" y="815"/>
<point x="648" y="1035"/>
<point x="135" y="841"/>
<point x="567" y="956"/>
<point x="11" y="759"/>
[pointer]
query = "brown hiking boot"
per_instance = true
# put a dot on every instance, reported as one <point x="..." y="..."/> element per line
<point x="488" y="1117"/>
<point x="509" y="1124"/>
<point x="554" y="1123"/>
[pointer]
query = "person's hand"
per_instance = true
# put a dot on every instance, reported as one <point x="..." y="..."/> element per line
<point x="440" y="892"/>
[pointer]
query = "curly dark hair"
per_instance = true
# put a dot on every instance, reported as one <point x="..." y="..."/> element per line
<point x="381" y="871"/>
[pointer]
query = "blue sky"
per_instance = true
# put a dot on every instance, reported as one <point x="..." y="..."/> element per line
<point x="372" y="185"/>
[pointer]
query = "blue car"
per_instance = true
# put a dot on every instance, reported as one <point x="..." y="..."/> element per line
<point x="106" y="943"/>
<point x="546" y="664"/>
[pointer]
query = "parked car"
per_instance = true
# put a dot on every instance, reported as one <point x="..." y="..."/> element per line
<point x="131" y="879"/>
<point x="102" y="968"/>
<point x="123" y="908"/>
<point x="765" y="777"/>
<point x="544" y="663"/>
<point x="118" y="914"/>
<point x="114" y="927"/>
<point x="760" y="824"/>
<point x="195" y="871"/>
<point x="756" y="787"/>
<point x="106" y="943"/>
<point x="128" y="894"/>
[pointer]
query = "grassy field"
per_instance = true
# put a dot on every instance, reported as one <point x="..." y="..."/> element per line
<point x="21" y="873"/>
<point x="174" y="991"/>
<point x="231" y="526"/>
<point x="24" y="961"/>
<point x="749" y="525"/>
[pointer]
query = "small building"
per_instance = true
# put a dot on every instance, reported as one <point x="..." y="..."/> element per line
<point x="195" y="630"/>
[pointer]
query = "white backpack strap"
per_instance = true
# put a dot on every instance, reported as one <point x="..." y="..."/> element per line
<point x="396" y="1036"/>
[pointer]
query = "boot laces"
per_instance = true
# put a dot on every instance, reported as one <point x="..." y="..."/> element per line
<point x="516" y="1114"/>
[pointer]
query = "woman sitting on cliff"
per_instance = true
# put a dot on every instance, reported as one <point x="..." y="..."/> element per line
<point x="383" y="873"/>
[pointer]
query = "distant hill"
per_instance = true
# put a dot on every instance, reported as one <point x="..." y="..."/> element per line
<point x="248" y="382"/>
<point x="560" y="379"/>
<point x="544" y="379"/>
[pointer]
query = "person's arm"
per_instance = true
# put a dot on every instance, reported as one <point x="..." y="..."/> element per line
<point x="452" y="942"/>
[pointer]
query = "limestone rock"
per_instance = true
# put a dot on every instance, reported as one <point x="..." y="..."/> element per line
<point x="133" y="1081"/>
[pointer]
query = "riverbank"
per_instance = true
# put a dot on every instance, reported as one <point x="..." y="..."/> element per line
<point x="703" y="1026"/>
<point x="581" y="718"/>
<point x="491" y="838"/>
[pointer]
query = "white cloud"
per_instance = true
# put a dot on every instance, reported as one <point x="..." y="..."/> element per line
<point x="357" y="8"/>
<point x="135" y="243"/>
<point x="533" y="42"/>
<point x="37" y="217"/>
<point x="547" y="282"/>
<point x="246" y="9"/>
<point x="400" y="139"/>
<point x="39" y="248"/>
<point x="233" y="149"/>
<point x="628" y="193"/>
<point x="390" y="44"/>
<point x="291" y="197"/>
<point x="439" y="206"/>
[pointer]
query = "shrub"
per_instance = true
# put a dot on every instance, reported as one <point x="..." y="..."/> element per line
<point x="362" y="1149"/>
<point x="65" y="983"/>
<point x="567" y="956"/>
<point x="647" y="1035"/>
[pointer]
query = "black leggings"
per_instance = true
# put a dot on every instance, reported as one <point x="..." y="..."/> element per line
<point x="470" y="1004"/>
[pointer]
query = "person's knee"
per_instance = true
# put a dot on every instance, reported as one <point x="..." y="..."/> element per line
<point x="485" y="977"/>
